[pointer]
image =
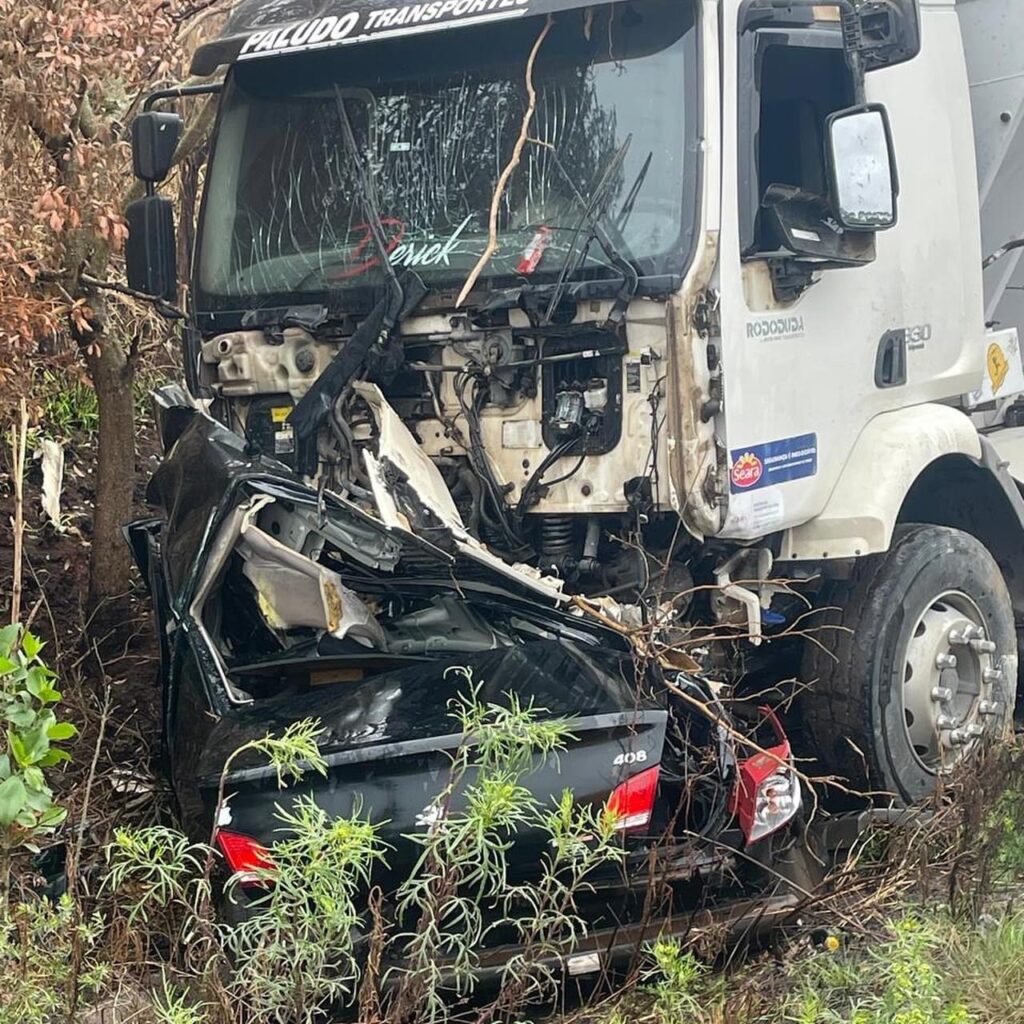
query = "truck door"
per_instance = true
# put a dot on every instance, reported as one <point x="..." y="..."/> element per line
<point x="813" y="349"/>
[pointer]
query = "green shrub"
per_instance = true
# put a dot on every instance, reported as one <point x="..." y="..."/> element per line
<point x="27" y="748"/>
<point x="48" y="961"/>
<point x="900" y="981"/>
<point x="314" y="942"/>
<point x="675" y="981"/>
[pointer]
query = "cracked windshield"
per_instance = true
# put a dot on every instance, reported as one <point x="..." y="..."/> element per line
<point x="610" y="142"/>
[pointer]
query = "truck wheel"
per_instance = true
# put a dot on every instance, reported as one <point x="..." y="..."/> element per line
<point x="919" y="665"/>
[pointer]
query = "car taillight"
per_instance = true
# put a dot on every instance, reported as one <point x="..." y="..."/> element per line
<point x="244" y="856"/>
<point x="632" y="803"/>
<point x="766" y="796"/>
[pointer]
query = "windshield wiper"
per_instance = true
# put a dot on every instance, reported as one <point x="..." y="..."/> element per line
<point x="310" y="318"/>
<point x="592" y="221"/>
<point x="374" y="333"/>
<point x="371" y="208"/>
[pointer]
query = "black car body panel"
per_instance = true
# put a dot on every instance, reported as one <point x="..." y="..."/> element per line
<point x="276" y="604"/>
<point x="388" y="742"/>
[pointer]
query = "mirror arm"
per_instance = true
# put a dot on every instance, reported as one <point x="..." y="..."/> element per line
<point x="175" y="93"/>
<point x="180" y="92"/>
<point x="854" y="57"/>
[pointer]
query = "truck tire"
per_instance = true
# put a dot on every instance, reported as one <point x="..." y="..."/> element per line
<point x="917" y="665"/>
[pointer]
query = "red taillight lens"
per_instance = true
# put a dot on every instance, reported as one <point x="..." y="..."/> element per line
<point x="244" y="855"/>
<point x="767" y="795"/>
<point x="632" y="803"/>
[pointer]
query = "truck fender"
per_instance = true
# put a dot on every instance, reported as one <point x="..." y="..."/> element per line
<point x="892" y="452"/>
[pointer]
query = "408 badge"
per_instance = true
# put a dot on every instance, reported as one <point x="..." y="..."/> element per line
<point x="747" y="471"/>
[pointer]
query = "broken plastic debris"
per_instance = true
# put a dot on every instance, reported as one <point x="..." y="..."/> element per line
<point x="535" y="251"/>
<point x="51" y="455"/>
<point x="126" y="783"/>
<point x="294" y="591"/>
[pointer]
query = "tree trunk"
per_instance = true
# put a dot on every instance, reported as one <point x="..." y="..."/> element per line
<point x="113" y="376"/>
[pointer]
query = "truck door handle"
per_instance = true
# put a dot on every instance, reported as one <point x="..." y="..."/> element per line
<point x="891" y="362"/>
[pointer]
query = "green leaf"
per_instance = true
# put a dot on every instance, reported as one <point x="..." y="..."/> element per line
<point x="7" y="666"/>
<point x="20" y="717"/>
<point x="37" y="800"/>
<point x="53" y="756"/>
<point x="38" y="742"/>
<point x="36" y="681"/>
<point x="34" y="779"/>
<point x="39" y="682"/>
<point x="13" y="678"/>
<point x="53" y="816"/>
<point x="31" y="645"/>
<point x="13" y="798"/>
<point x="9" y="637"/>
<point x="17" y="748"/>
<point x="62" y="731"/>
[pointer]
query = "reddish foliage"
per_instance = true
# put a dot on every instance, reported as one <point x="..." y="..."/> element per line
<point x="72" y="76"/>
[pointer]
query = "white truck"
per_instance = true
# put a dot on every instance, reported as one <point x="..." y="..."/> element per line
<point x="673" y="307"/>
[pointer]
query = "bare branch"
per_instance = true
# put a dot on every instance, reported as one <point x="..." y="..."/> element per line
<point x="162" y="305"/>
<point x="517" y="155"/>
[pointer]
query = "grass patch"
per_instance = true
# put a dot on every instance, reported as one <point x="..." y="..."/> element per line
<point x="934" y="930"/>
<point x="928" y="969"/>
<point x="70" y="405"/>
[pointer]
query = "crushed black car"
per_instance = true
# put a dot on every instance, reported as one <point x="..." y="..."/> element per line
<point x="276" y="603"/>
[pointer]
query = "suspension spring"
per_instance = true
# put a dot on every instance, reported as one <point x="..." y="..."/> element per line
<point x="557" y="535"/>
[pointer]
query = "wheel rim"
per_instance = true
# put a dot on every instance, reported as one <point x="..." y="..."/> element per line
<point x="950" y="669"/>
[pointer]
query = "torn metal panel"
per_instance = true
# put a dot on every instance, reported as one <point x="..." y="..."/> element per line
<point x="399" y="451"/>
<point x="251" y="551"/>
<point x="209" y="470"/>
<point x="400" y="448"/>
<point x="296" y="592"/>
<point x="266" y="28"/>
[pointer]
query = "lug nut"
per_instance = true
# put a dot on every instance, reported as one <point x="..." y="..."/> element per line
<point x="942" y="694"/>
<point x="945" y="661"/>
<point x="946" y="722"/>
<point x="990" y="708"/>
<point x="958" y="638"/>
<point x="983" y="646"/>
<point x="992" y="675"/>
<point x="958" y="737"/>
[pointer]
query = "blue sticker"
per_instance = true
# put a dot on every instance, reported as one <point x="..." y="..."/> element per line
<point x="778" y="462"/>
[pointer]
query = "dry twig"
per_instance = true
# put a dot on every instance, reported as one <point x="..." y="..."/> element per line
<point x="517" y="155"/>
<point x="19" y="441"/>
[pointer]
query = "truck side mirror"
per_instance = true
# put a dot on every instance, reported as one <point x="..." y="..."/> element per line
<point x="155" y="138"/>
<point x="862" y="166"/>
<point x="151" y="251"/>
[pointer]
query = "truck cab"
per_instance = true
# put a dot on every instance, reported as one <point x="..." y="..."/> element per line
<point x="671" y="308"/>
